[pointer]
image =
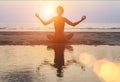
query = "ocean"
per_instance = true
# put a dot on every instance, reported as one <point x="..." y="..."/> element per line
<point x="83" y="27"/>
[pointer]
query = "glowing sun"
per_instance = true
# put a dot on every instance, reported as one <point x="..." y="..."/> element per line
<point x="48" y="10"/>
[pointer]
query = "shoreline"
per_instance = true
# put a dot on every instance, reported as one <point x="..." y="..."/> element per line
<point x="39" y="38"/>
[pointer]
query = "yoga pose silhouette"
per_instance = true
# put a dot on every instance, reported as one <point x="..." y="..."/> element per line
<point x="59" y="24"/>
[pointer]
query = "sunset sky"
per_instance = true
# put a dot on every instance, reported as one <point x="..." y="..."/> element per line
<point x="24" y="11"/>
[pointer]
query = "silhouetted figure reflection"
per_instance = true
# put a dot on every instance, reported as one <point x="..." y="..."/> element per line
<point x="59" y="56"/>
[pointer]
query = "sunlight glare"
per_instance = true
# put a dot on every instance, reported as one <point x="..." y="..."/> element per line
<point x="49" y="10"/>
<point x="108" y="71"/>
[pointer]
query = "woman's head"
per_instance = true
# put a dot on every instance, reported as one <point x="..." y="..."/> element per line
<point x="60" y="10"/>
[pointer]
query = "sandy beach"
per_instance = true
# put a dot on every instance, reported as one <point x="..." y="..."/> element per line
<point x="30" y="57"/>
<point x="39" y="38"/>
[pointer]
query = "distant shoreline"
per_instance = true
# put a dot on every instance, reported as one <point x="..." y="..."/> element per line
<point x="39" y="38"/>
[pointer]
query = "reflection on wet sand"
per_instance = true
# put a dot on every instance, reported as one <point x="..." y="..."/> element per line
<point x="59" y="59"/>
<point x="59" y="56"/>
<point x="41" y="63"/>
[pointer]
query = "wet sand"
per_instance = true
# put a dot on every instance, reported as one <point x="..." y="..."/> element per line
<point x="39" y="38"/>
<point x="62" y="63"/>
<point x="30" y="57"/>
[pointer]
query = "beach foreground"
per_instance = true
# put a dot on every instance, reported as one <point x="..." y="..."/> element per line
<point x="30" y="57"/>
<point x="63" y="63"/>
<point x="39" y="38"/>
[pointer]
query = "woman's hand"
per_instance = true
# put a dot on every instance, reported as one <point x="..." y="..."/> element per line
<point x="83" y="17"/>
<point x="37" y="15"/>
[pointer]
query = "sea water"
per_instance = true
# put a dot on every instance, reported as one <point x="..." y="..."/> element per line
<point x="63" y="63"/>
<point x="83" y="27"/>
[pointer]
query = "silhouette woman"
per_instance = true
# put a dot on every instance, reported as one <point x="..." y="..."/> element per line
<point x="59" y="24"/>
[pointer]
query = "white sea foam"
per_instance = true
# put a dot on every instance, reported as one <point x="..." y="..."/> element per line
<point x="85" y="27"/>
